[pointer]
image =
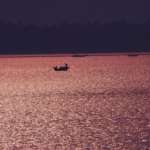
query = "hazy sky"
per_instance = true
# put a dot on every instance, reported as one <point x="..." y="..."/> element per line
<point x="54" y="11"/>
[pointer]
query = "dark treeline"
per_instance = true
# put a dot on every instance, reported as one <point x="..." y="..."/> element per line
<point x="116" y="36"/>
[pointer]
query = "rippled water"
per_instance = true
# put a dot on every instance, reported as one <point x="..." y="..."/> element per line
<point x="101" y="103"/>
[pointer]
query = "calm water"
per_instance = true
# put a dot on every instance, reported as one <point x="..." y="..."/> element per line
<point x="101" y="103"/>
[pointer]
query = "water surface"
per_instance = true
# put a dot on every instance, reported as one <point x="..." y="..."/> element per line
<point x="102" y="102"/>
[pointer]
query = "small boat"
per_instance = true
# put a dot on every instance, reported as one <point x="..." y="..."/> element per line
<point x="132" y="55"/>
<point x="64" y="67"/>
<point x="79" y="55"/>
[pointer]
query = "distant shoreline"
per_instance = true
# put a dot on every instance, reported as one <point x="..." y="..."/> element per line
<point x="71" y="54"/>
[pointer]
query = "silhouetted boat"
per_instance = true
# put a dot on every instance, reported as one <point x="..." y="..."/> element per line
<point x="79" y="55"/>
<point x="132" y="55"/>
<point x="64" y="67"/>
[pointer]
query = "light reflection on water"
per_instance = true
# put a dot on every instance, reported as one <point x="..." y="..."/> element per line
<point x="102" y="102"/>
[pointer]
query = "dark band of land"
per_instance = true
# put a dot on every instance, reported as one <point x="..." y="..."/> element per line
<point x="119" y="36"/>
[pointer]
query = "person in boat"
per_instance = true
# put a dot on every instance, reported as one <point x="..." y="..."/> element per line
<point x="66" y="65"/>
<point x="63" y="67"/>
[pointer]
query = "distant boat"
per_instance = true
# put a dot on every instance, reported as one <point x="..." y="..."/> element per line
<point x="132" y="55"/>
<point x="64" y="67"/>
<point x="79" y="55"/>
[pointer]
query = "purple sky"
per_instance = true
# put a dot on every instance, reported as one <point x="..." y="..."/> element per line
<point x="54" y="11"/>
